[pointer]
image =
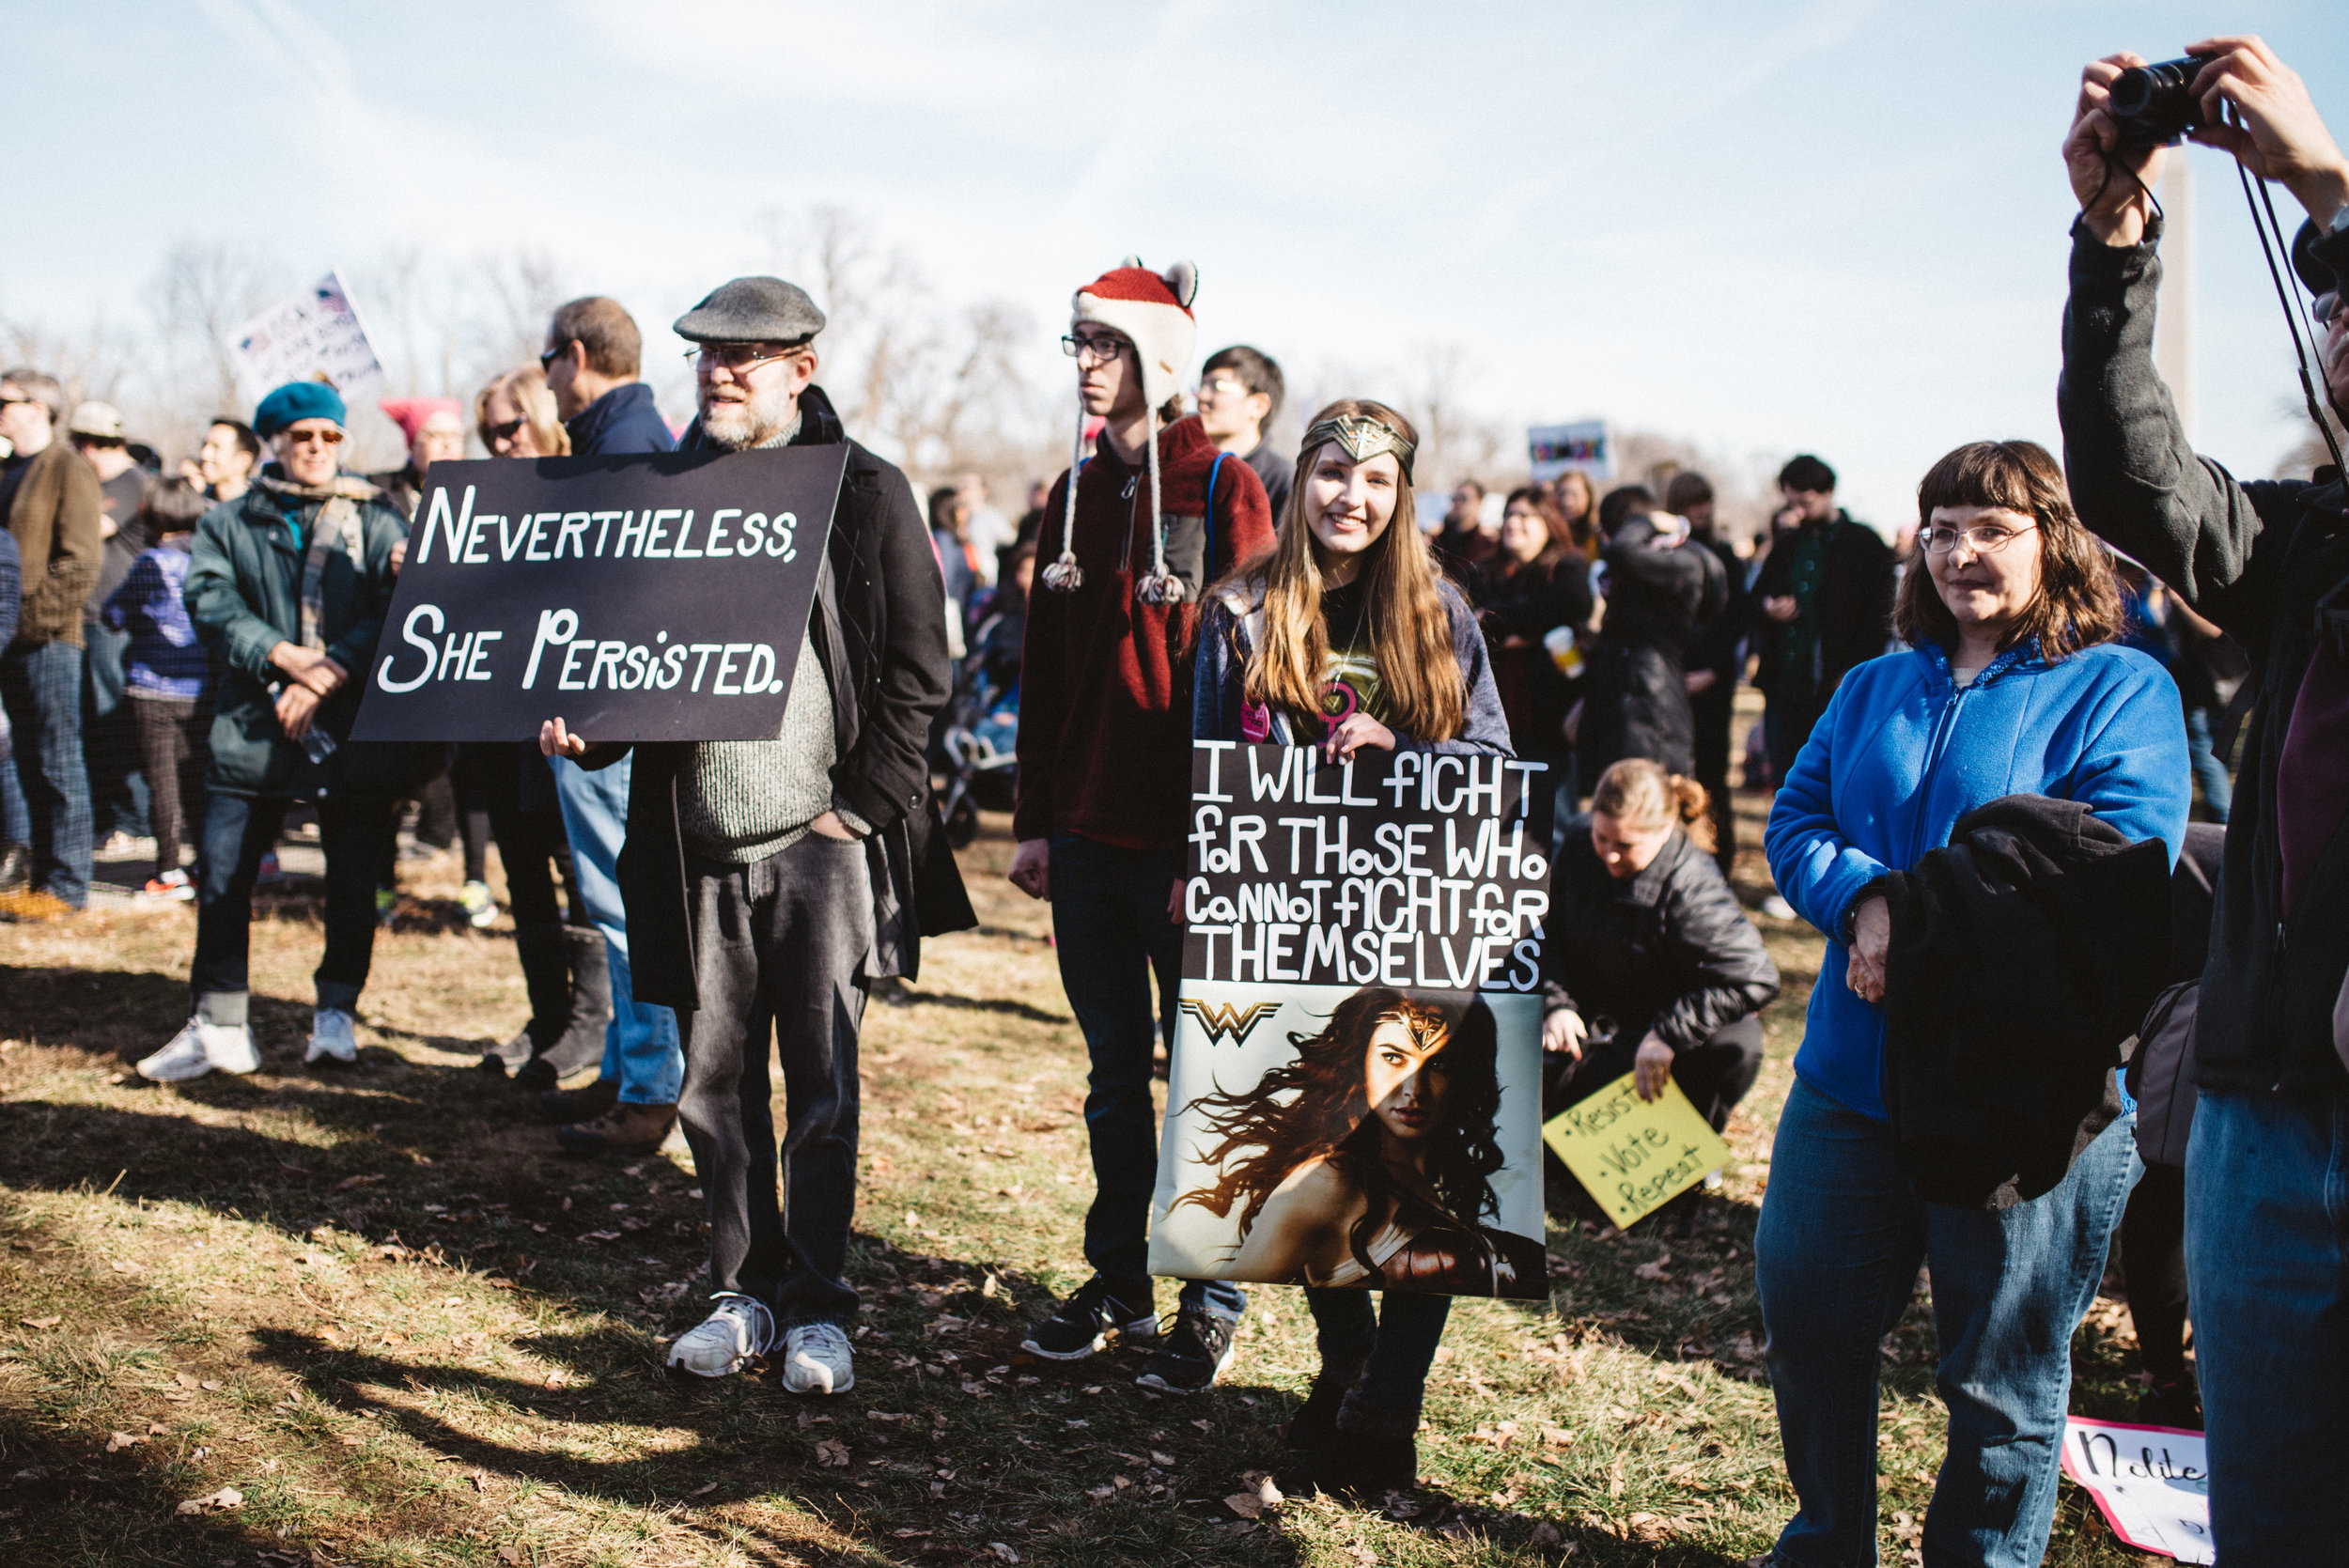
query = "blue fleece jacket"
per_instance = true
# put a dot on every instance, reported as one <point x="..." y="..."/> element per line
<point x="1902" y="753"/>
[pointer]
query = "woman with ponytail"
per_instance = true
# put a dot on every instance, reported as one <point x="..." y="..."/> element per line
<point x="1344" y="636"/>
<point x="1651" y="966"/>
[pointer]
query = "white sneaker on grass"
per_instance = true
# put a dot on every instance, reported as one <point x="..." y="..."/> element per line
<point x="723" y="1342"/>
<point x="1776" y="908"/>
<point x="331" y="1037"/>
<point x="816" y="1359"/>
<point x="201" y="1047"/>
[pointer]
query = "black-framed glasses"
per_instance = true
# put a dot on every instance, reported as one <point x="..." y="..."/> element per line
<point x="1100" y="347"/>
<point x="739" y="358"/>
<point x="11" y="402"/>
<point x="506" y="431"/>
<point x="316" y="438"/>
<point x="546" y="361"/>
<point x="1983" y="538"/>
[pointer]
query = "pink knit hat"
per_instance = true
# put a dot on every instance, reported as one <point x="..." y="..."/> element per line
<point x="410" y="413"/>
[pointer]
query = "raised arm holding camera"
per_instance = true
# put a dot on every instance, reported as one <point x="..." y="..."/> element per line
<point x="2268" y="562"/>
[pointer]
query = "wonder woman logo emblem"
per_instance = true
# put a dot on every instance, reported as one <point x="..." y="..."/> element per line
<point x="1229" y="1020"/>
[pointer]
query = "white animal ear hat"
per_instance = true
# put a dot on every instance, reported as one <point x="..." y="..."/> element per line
<point x="1153" y="309"/>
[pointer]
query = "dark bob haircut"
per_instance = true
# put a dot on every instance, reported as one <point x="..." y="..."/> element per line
<point x="1806" y="472"/>
<point x="2077" y="604"/>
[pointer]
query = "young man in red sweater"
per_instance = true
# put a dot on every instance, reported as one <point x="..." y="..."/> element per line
<point x="1155" y="515"/>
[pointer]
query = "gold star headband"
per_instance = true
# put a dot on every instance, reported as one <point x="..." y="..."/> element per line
<point x="1363" y="439"/>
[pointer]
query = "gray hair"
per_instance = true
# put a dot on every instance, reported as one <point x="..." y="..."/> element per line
<point x="41" y="387"/>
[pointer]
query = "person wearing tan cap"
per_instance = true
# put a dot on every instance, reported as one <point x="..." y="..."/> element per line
<point x="118" y="798"/>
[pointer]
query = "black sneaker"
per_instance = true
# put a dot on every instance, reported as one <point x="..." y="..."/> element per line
<point x="1194" y="1356"/>
<point x="1085" y="1321"/>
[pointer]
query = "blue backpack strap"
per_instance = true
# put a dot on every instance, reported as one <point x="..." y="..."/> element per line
<point x="1207" y="567"/>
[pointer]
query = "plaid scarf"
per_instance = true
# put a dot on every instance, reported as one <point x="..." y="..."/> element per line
<point x="337" y="527"/>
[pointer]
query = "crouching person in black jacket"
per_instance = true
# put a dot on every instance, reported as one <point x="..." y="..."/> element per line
<point x="769" y="882"/>
<point x="1651" y="966"/>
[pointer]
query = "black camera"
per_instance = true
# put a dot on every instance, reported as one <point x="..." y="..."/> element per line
<point x="2156" y="105"/>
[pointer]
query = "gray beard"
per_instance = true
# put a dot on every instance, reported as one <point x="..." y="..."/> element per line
<point x="741" y="426"/>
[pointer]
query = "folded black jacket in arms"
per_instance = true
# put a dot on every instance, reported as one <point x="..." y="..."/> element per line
<point x="2023" y="955"/>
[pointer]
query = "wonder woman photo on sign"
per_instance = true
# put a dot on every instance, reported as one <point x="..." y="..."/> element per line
<point x="1382" y="1138"/>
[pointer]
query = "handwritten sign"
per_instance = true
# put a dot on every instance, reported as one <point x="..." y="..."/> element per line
<point x="653" y="597"/>
<point x="315" y="334"/>
<point x="2151" y="1484"/>
<point x="1631" y="1154"/>
<point x="1579" y="448"/>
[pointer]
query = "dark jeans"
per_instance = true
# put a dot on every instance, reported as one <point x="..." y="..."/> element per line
<point x="2152" y="1262"/>
<point x="1398" y="1341"/>
<point x="1785" y="725"/>
<point x="110" y="739"/>
<point x="42" y="688"/>
<point x="1836" y="1256"/>
<point x="1109" y="923"/>
<point x="2267" y="1257"/>
<point x="1715" y="1076"/>
<point x="2210" y="769"/>
<point x="1714" y="708"/>
<point x="237" y="831"/>
<point x="779" y="953"/>
<point x="175" y="749"/>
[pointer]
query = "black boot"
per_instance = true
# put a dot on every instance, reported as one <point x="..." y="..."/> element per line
<point x="547" y="971"/>
<point x="580" y="1040"/>
<point x="1370" y="1454"/>
<point x="1316" y="1424"/>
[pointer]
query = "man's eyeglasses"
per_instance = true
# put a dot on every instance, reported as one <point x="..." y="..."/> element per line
<point x="739" y="358"/>
<point x="2327" y="305"/>
<point x="506" y="431"/>
<point x="316" y="438"/>
<point x="1093" y="347"/>
<point x="1221" y="386"/>
<point x="546" y="361"/>
<point x="11" y="402"/>
<point x="1983" y="538"/>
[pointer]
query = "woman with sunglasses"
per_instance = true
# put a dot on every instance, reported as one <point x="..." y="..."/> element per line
<point x="2012" y="684"/>
<point x="517" y="417"/>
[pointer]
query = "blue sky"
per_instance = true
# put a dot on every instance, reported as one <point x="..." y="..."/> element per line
<point x="1836" y="225"/>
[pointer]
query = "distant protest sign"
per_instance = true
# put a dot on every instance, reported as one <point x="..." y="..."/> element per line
<point x="1354" y="1092"/>
<point x="2151" y="1484"/>
<point x="1635" y="1155"/>
<point x="1583" y="448"/>
<point x="312" y="335"/>
<point x="656" y="597"/>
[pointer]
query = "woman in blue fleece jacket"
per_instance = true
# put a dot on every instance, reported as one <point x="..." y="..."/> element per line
<point x="2011" y="684"/>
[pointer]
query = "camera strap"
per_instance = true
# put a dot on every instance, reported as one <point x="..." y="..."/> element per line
<point x="2272" y="245"/>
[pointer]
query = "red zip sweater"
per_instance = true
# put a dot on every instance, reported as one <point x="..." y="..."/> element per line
<point x="1105" y="682"/>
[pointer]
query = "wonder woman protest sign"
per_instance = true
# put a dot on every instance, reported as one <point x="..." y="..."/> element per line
<point x="1354" y="1098"/>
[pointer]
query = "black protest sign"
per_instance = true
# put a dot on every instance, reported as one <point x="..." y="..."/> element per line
<point x="656" y="597"/>
<point x="1425" y="870"/>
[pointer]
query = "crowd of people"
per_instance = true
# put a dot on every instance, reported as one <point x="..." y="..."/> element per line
<point x="1986" y="747"/>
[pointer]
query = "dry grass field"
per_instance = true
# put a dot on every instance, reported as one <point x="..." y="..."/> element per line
<point x="373" y="1317"/>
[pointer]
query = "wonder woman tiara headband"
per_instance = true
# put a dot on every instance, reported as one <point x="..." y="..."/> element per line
<point x="1363" y="439"/>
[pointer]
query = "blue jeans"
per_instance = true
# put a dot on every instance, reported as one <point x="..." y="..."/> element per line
<point x="1835" y="1258"/>
<point x="237" y="831"/>
<point x="2210" y="768"/>
<point x="42" y="688"/>
<point x="1109" y="923"/>
<point x="639" y="1044"/>
<point x="1398" y="1341"/>
<point x="2267" y="1270"/>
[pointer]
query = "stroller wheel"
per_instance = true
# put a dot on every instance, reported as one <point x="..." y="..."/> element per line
<point x="963" y="822"/>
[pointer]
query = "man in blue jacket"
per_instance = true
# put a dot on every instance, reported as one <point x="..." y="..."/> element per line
<point x="592" y="359"/>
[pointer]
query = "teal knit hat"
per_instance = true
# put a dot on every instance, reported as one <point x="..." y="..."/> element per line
<point x="297" y="400"/>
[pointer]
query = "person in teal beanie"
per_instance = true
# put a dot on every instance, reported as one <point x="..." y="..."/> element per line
<point x="2011" y="684"/>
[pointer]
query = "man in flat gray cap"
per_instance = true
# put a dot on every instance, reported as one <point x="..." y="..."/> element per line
<point x="769" y="882"/>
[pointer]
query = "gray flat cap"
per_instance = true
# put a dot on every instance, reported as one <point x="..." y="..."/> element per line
<point x="753" y="310"/>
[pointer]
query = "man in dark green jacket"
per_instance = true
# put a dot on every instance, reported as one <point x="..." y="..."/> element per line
<point x="2268" y="560"/>
<point x="288" y="589"/>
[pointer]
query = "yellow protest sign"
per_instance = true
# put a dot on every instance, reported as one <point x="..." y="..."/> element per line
<point x="1632" y="1156"/>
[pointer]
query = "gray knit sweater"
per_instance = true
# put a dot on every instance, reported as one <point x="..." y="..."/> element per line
<point x="742" y="801"/>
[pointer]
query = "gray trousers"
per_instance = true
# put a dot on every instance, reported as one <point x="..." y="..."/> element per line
<point x="779" y="951"/>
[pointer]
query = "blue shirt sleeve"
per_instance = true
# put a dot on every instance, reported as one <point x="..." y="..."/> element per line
<point x="1818" y="869"/>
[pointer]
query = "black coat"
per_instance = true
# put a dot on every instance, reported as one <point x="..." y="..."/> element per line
<point x="1529" y="603"/>
<point x="1854" y="603"/>
<point x="1668" y="949"/>
<point x="879" y="619"/>
<point x="2023" y="955"/>
<point x="1636" y="702"/>
<point x="2257" y="559"/>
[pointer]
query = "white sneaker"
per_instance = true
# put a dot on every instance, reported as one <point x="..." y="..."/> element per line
<point x="331" y="1035"/>
<point x="1776" y="908"/>
<point x="741" y="1328"/>
<point x="816" y="1359"/>
<point x="198" y="1048"/>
